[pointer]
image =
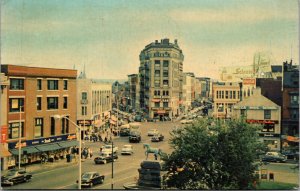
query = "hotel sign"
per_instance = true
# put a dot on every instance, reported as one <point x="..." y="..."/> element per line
<point x="249" y="81"/>
<point x="262" y="121"/>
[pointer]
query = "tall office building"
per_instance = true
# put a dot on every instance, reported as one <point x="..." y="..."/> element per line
<point x="160" y="72"/>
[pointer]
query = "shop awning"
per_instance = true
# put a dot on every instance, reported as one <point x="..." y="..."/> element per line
<point x="4" y="152"/>
<point x="29" y="150"/>
<point x="155" y="100"/>
<point x="292" y="139"/>
<point x="48" y="147"/>
<point x="161" y="111"/>
<point x="67" y="144"/>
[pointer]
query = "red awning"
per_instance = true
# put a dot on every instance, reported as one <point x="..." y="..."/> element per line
<point x="292" y="139"/>
<point x="161" y="111"/>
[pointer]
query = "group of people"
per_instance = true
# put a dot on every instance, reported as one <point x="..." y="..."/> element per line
<point x="95" y="137"/>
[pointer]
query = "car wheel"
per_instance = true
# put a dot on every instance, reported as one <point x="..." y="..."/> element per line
<point x="105" y="161"/>
<point x="91" y="184"/>
<point x="101" y="180"/>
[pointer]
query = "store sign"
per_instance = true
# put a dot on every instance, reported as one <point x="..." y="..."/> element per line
<point x="268" y="135"/>
<point x="262" y="121"/>
<point x="255" y="107"/>
<point x="3" y="134"/>
<point x="42" y="141"/>
<point x="249" y="81"/>
<point x="84" y="122"/>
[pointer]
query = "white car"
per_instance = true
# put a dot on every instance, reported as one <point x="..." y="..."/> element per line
<point x="127" y="150"/>
<point x="108" y="149"/>
<point x="152" y="132"/>
<point x="186" y="121"/>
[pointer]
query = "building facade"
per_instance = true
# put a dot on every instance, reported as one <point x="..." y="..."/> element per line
<point x="160" y="73"/>
<point x="134" y="88"/>
<point x="290" y="106"/>
<point x="257" y="109"/>
<point x="225" y="96"/>
<point x="94" y="103"/>
<point x="188" y="90"/>
<point x="35" y="96"/>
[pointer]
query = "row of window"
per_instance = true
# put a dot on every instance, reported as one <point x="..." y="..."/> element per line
<point x="157" y="83"/>
<point x="165" y="73"/>
<point x="17" y="104"/>
<point x="267" y="113"/>
<point x="13" y="128"/>
<point x="228" y="94"/>
<point x="165" y="104"/>
<point x="165" y="63"/>
<point x="164" y="92"/>
<point x="18" y="84"/>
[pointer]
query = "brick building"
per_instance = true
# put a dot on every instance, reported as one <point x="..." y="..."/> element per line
<point x="34" y="96"/>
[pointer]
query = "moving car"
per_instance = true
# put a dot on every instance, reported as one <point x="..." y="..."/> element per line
<point x="105" y="158"/>
<point x="15" y="176"/>
<point x="135" y="136"/>
<point x="108" y="149"/>
<point x="91" y="178"/>
<point x="157" y="137"/>
<point x="152" y="132"/>
<point x="127" y="150"/>
<point x="274" y="157"/>
<point x="125" y="130"/>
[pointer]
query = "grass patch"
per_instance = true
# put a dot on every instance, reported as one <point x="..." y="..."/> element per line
<point x="276" y="186"/>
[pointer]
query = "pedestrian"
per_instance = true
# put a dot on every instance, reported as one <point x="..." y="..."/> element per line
<point x="155" y="156"/>
<point x="105" y="139"/>
<point x="91" y="153"/>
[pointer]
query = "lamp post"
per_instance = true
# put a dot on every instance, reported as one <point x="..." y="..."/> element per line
<point x="20" y="123"/>
<point x="79" y="131"/>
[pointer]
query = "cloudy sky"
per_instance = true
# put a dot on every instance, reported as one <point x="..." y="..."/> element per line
<point x="107" y="36"/>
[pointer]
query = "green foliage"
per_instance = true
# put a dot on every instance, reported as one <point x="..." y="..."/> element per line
<point x="211" y="154"/>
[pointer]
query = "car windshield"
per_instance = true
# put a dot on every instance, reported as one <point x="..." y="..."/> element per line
<point x="126" y="146"/>
<point x="87" y="175"/>
<point x="107" y="146"/>
<point x="11" y="173"/>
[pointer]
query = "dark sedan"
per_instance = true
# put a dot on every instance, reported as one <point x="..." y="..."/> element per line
<point x="105" y="158"/>
<point x="15" y="176"/>
<point x="274" y="157"/>
<point x="157" y="138"/>
<point x="91" y="178"/>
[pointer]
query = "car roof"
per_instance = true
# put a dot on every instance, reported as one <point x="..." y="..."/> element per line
<point x="90" y="172"/>
<point x="127" y="145"/>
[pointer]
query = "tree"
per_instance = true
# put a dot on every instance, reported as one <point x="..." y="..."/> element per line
<point x="210" y="154"/>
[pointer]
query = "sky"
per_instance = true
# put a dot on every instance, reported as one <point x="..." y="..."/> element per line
<point x="108" y="36"/>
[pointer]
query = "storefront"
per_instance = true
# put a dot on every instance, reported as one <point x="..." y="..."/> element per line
<point x="5" y="157"/>
<point x="53" y="148"/>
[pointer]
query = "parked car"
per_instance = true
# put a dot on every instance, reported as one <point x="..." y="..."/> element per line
<point x="15" y="176"/>
<point x="157" y="137"/>
<point x="274" y="157"/>
<point x="127" y="150"/>
<point x="105" y="158"/>
<point x="135" y="136"/>
<point x="108" y="149"/>
<point x="186" y="121"/>
<point x="138" y="118"/>
<point x="91" y="178"/>
<point x="152" y="132"/>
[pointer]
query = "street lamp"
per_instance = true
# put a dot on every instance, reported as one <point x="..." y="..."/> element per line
<point x="79" y="131"/>
<point x="20" y="123"/>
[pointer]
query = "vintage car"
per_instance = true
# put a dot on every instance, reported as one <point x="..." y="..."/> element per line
<point x="135" y="136"/>
<point x="157" y="137"/>
<point x="152" y="132"/>
<point x="91" y="178"/>
<point x="127" y="150"/>
<point x="274" y="157"/>
<point x="15" y="176"/>
<point x="108" y="149"/>
<point x="105" y="158"/>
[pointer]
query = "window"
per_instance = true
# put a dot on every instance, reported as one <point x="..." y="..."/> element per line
<point x="226" y="94"/>
<point x="243" y="112"/>
<point x="165" y="73"/>
<point x="16" y="84"/>
<point x="156" y="83"/>
<point x="166" y="63"/>
<point x="294" y="114"/>
<point x="52" y="126"/>
<point x="83" y="110"/>
<point x="65" y="84"/>
<point x="13" y="131"/>
<point x="267" y="114"/>
<point x="84" y="95"/>
<point x="268" y="128"/>
<point x="230" y="94"/>
<point x="157" y="73"/>
<point x="294" y="99"/>
<point x="166" y="82"/>
<point x="222" y="94"/>
<point x="52" y="84"/>
<point x="233" y="94"/>
<point x="15" y="104"/>
<point x="39" y="103"/>
<point x="64" y="125"/>
<point x="166" y="104"/>
<point x="157" y="92"/>
<point x="65" y="105"/>
<point x="156" y="104"/>
<point x="52" y="102"/>
<point x="157" y="63"/>
<point x="38" y="129"/>
<point x="39" y="84"/>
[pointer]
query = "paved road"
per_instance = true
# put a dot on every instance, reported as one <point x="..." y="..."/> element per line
<point x="126" y="167"/>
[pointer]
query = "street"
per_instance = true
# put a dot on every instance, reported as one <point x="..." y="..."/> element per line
<point x="126" y="167"/>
